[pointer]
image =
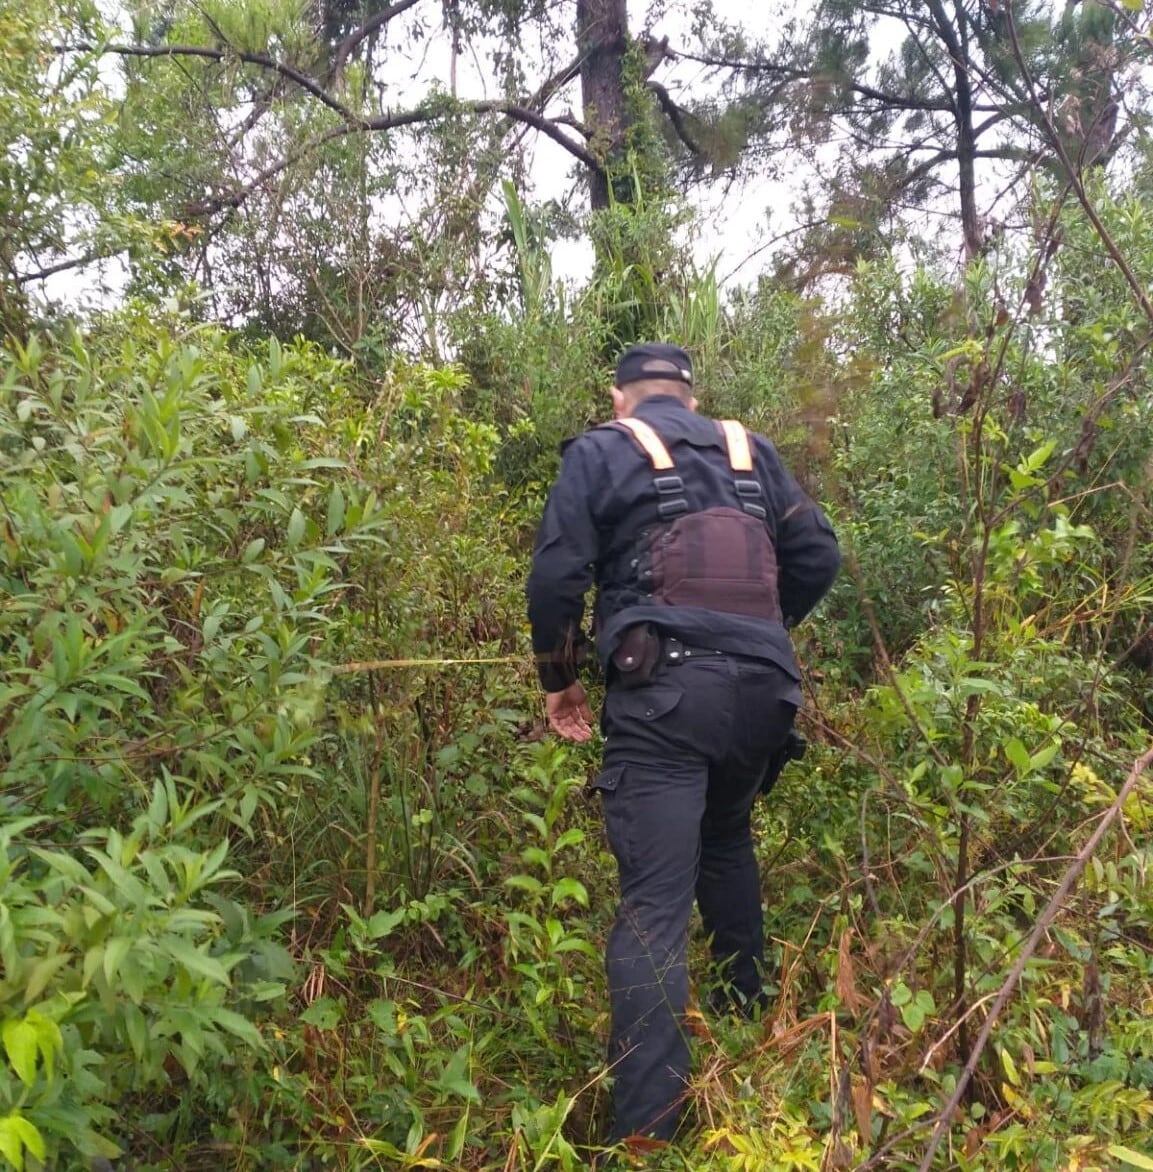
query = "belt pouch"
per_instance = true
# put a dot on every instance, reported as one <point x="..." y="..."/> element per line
<point x="636" y="659"/>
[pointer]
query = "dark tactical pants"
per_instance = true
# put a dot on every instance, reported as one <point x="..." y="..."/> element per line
<point x="684" y="759"/>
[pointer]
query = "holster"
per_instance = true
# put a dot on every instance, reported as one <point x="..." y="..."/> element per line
<point x="793" y="749"/>
<point x="635" y="660"/>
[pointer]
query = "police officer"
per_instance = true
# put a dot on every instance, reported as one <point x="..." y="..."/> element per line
<point x="703" y="550"/>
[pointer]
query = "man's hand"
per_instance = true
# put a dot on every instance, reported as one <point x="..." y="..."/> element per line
<point x="569" y="714"/>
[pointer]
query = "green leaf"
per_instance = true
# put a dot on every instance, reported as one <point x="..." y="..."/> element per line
<point x="40" y="974"/>
<point x="576" y="944"/>
<point x="324" y="1013"/>
<point x="296" y="527"/>
<point x="119" y="517"/>
<point x="335" y="518"/>
<point x="18" y="1135"/>
<point x="11" y="1146"/>
<point x="1128" y="1155"/>
<point x="913" y="1016"/>
<point x="918" y="1009"/>
<point x="536" y="856"/>
<point x="136" y="1026"/>
<point x="115" y="950"/>
<point x="458" y="1136"/>
<point x="1038" y="457"/>
<point x="73" y="555"/>
<point x="31" y="1136"/>
<point x="1020" y="480"/>
<point x="571" y="837"/>
<point x="1018" y="756"/>
<point x="20" y="1044"/>
<point x="195" y="961"/>
<point x="455" y="1078"/>
<point x="569" y="888"/>
<point x="383" y="922"/>
<point x="1044" y="756"/>
<point x="237" y="1025"/>
<point x="383" y="1016"/>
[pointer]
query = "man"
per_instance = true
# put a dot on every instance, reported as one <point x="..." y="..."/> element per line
<point x="703" y="550"/>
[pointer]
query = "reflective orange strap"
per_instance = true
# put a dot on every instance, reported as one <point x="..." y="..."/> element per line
<point x="650" y="441"/>
<point x="737" y="441"/>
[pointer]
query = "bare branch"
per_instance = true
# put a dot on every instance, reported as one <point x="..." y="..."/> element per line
<point x="233" y="199"/>
<point x="63" y="266"/>
<point x="309" y="84"/>
<point x="944" y="155"/>
<point x="784" y="75"/>
<point x="352" y="122"/>
<point x="348" y="46"/>
<point x="675" y="115"/>
<point x="1074" y="175"/>
<point x="557" y="82"/>
<point x="1072" y="874"/>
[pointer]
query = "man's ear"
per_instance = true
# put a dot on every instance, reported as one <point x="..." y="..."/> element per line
<point x="620" y="407"/>
<point x="692" y="404"/>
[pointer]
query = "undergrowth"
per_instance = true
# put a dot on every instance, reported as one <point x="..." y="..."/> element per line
<point x="292" y="876"/>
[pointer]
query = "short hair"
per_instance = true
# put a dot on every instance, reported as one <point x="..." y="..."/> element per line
<point x="645" y="388"/>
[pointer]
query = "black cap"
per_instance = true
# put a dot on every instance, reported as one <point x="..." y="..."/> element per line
<point x="654" y="360"/>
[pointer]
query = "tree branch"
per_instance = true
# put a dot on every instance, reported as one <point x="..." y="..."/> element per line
<point x="943" y="155"/>
<point x="539" y="122"/>
<point x="675" y="115"/>
<point x="1074" y="176"/>
<point x="558" y="81"/>
<point x="352" y="122"/>
<point x="784" y="75"/>
<point x="63" y="266"/>
<point x="309" y="84"/>
<point x="945" y="1117"/>
<point x="348" y="46"/>
<point x="233" y="199"/>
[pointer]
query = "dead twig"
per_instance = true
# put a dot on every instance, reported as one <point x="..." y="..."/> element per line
<point x="1044" y="921"/>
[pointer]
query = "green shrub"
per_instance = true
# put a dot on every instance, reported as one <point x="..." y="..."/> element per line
<point x="126" y="973"/>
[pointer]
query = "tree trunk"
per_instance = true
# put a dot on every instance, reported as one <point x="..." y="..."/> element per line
<point x="954" y="35"/>
<point x="602" y="36"/>
<point x="966" y="144"/>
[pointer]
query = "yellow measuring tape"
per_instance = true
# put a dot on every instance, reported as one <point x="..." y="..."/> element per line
<point x="343" y="669"/>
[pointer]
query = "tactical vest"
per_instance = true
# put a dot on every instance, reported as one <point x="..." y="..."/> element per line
<point x="720" y="558"/>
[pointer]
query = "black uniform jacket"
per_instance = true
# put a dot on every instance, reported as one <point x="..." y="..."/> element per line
<point x="605" y="497"/>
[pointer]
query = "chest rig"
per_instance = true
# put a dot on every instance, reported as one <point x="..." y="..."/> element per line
<point x="720" y="558"/>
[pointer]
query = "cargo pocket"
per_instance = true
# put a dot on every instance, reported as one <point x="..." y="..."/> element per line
<point x="647" y="704"/>
<point x="605" y="782"/>
<point x="616" y="811"/>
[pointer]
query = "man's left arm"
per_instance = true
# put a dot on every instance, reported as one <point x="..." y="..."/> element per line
<point x="562" y="571"/>
<point x="807" y="552"/>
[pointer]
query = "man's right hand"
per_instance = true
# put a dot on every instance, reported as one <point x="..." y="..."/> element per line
<point x="569" y="715"/>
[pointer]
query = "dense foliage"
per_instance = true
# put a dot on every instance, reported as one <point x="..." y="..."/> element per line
<point x="291" y="875"/>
